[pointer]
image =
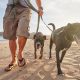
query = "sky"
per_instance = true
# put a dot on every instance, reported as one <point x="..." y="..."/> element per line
<point x="59" y="12"/>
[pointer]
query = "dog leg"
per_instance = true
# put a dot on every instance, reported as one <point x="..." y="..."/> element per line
<point x="62" y="55"/>
<point x="58" y="62"/>
<point x="35" y="56"/>
<point x="51" y="44"/>
<point x="41" y="53"/>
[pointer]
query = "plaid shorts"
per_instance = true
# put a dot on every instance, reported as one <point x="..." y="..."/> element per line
<point x="16" y="22"/>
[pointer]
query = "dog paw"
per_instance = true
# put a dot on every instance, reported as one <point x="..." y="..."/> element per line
<point x="50" y="57"/>
<point x="40" y="57"/>
<point x="35" y="57"/>
<point x="60" y="73"/>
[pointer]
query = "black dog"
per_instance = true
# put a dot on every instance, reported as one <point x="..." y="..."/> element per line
<point x="39" y="43"/>
<point x="63" y="38"/>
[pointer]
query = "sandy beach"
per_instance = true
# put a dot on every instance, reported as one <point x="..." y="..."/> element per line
<point x="44" y="69"/>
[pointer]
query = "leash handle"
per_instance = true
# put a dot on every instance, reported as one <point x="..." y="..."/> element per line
<point x="38" y="23"/>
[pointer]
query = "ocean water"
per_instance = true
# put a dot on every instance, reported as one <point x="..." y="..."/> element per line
<point x="1" y="38"/>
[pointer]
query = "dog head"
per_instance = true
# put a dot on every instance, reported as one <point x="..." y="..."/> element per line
<point x="39" y="40"/>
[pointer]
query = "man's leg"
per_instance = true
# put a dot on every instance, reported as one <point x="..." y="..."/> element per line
<point x="12" y="46"/>
<point x="22" y="33"/>
<point x="21" y="43"/>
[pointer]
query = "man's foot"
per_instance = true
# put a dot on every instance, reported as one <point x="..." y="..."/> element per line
<point x="9" y="67"/>
<point x="21" y="62"/>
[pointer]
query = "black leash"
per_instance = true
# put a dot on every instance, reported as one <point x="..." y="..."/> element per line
<point x="38" y="23"/>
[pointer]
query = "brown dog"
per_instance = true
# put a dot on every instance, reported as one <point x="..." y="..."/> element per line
<point x="39" y="39"/>
<point x="63" y="38"/>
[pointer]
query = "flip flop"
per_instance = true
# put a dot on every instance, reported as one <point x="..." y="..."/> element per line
<point x="9" y="67"/>
<point x="21" y="62"/>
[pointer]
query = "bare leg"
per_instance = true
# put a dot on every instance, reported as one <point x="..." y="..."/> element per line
<point x="21" y="43"/>
<point x="12" y="46"/>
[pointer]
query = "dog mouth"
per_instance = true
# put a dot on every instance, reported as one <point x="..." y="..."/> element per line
<point x="38" y="45"/>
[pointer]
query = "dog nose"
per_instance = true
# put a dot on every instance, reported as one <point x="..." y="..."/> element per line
<point x="38" y="45"/>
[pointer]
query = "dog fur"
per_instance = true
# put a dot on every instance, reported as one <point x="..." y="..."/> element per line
<point x="39" y="39"/>
<point x="63" y="38"/>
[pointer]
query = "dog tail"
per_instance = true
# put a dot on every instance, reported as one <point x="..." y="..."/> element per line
<point x="52" y="25"/>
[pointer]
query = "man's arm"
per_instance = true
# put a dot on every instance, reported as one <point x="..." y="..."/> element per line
<point x="38" y="3"/>
<point x="40" y="9"/>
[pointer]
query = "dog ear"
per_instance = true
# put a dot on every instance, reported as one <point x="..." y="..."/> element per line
<point x="69" y="24"/>
<point x="34" y="36"/>
<point x="44" y="37"/>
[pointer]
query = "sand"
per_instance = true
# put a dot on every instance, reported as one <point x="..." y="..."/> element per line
<point x="44" y="69"/>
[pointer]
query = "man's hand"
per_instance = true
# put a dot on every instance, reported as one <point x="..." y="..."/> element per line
<point x="40" y="11"/>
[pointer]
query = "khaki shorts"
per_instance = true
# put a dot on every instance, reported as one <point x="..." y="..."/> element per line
<point x="16" y="22"/>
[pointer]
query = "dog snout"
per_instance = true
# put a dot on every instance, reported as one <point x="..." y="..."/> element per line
<point x="38" y="45"/>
